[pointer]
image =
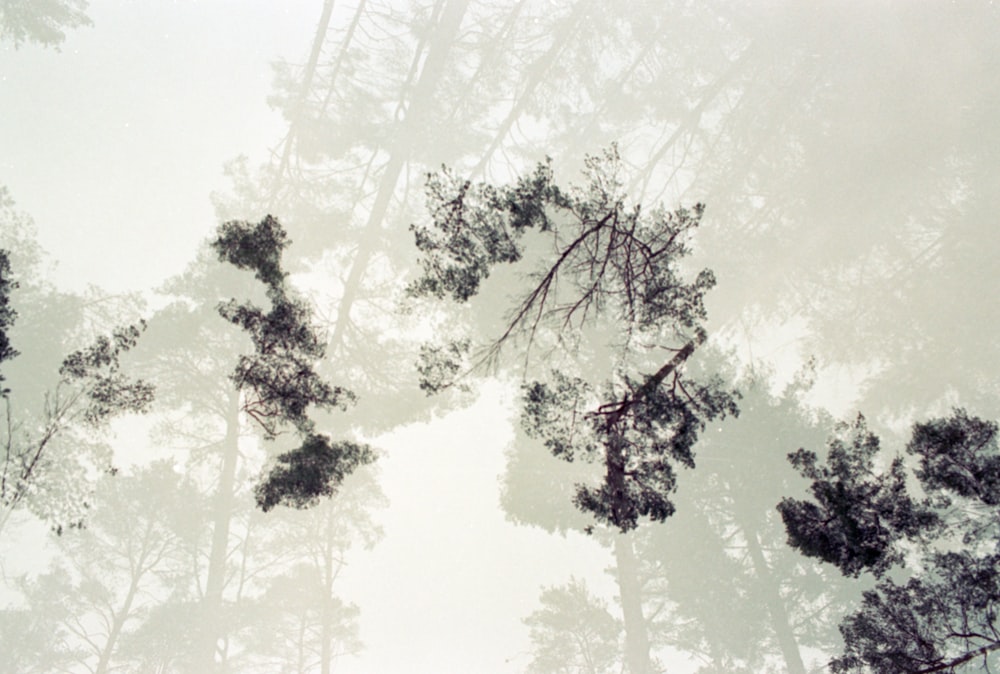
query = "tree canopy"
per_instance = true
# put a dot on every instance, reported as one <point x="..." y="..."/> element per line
<point x="933" y="515"/>
<point x="601" y="262"/>
<point x="279" y="380"/>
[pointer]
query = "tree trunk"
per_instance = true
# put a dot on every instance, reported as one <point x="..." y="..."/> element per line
<point x="422" y="98"/>
<point x="116" y="626"/>
<point x="773" y="602"/>
<point x="211" y="625"/>
<point x="326" y="629"/>
<point x="307" y="80"/>
<point x="637" y="658"/>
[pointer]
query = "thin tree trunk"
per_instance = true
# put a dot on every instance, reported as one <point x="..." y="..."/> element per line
<point x="637" y="657"/>
<point x="326" y="629"/>
<point x="116" y="627"/>
<point x="307" y="80"/>
<point x="212" y="628"/>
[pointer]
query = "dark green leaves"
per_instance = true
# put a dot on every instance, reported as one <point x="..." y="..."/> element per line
<point x="279" y="376"/>
<point x="315" y="469"/>
<point x="97" y="367"/>
<point x="959" y="455"/>
<point x="7" y="314"/>
<point x="602" y="266"/>
<point x="945" y="616"/>
<point x="611" y="259"/>
<point x="858" y="514"/>
<point x="937" y="622"/>
<point x="254" y="247"/>
<point x="279" y="379"/>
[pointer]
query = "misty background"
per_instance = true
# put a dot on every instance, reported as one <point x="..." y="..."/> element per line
<point x="847" y="154"/>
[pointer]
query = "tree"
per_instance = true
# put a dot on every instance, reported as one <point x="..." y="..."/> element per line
<point x="606" y="261"/>
<point x="573" y="633"/>
<point x="253" y="375"/>
<point x="607" y="272"/>
<point x="37" y="453"/>
<point x="7" y="314"/>
<point x="108" y="575"/>
<point x="279" y="379"/>
<point x="940" y="616"/>
<point x="41" y="21"/>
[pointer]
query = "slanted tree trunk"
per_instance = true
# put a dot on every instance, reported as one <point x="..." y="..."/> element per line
<point x="118" y="622"/>
<point x="430" y="75"/>
<point x="774" y="604"/>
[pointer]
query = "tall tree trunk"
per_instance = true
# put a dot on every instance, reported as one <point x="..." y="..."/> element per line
<point x="307" y="81"/>
<point x="773" y="602"/>
<point x="637" y="657"/>
<point x="430" y="74"/>
<point x="326" y="629"/>
<point x="211" y="612"/>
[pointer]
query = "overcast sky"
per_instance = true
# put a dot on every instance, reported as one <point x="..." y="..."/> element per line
<point x="114" y="144"/>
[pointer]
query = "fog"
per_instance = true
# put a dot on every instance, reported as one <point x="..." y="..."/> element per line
<point x="848" y="157"/>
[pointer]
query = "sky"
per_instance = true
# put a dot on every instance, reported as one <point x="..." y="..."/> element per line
<point x="113" y="146"/>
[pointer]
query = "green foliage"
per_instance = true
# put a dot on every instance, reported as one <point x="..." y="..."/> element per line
<point x="944" y="620"/>
<point x="476" y="227"/>
<point x="617" y="260"/>
<point x="439" y="366"/>
<point x="944" y="617"/>
<point x="858" y="514"/>
<point x="279" y="376"/>
<point x="108" y="391"/>
<point x="43" y="460"/>
<point x="608" y="262"/>
<point x="41" y="21"/>
<point x="256" y="247"/>
<point x="317" y="468"/>
<point x="7" y="314"/>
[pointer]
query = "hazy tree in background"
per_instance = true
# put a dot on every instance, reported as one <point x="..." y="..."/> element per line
<point x="723" y="547"/>
<point x="296" y="620"/>
<point x="785" y="606"/>
<point x="109" y="574"/>
<point x="573" y="633"/>
<point x="50" y="446"/>
<point x="228" y="381"/>
<point x="41" y="21"/>
<point x="940" y="615"/>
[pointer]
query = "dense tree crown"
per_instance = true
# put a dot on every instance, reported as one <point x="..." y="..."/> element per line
<point x="601" y="262"/>
<point x="944" y="616"/>
<point x="279" y="380"/>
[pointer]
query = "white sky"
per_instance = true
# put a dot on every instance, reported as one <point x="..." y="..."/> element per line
<point x="114" y="145"/>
